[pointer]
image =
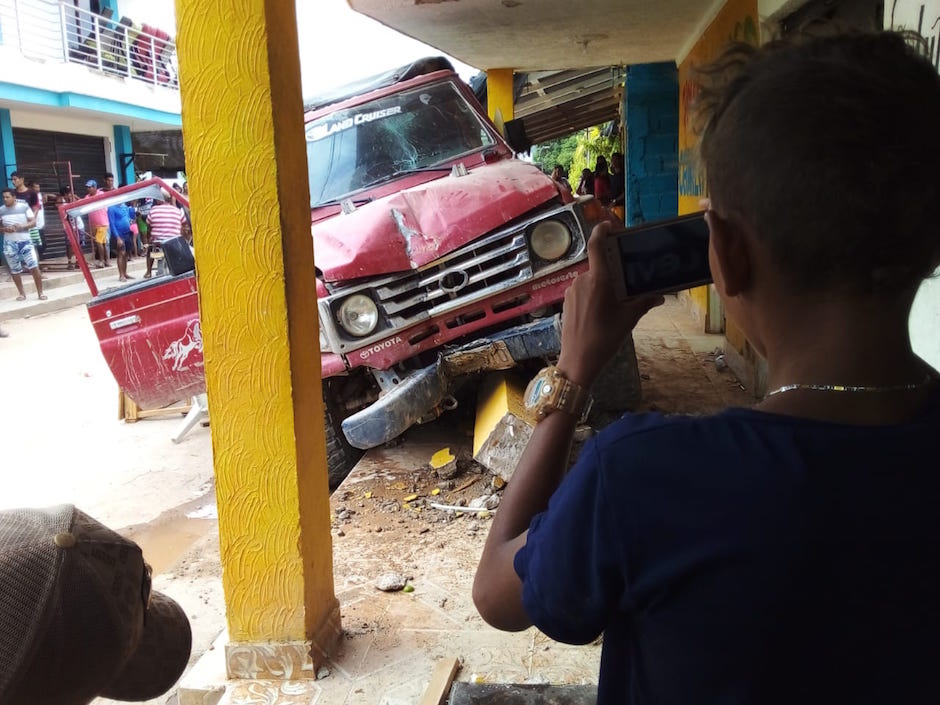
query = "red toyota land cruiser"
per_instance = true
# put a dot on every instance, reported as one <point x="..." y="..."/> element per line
<point x="439" y="255"/>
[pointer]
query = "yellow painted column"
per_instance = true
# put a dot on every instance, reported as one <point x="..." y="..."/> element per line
<point x="736" y="21"/>
<point x="499" y="102"/>
<point x="247" y="167"/>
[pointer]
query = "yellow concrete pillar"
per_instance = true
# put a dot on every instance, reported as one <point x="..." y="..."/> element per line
<point x="499" y="103"/>
<point x="246" y="160"/>
<point x="735" y="21"/>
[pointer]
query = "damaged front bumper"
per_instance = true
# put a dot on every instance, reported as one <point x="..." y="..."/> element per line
<point x="403" y="406"/>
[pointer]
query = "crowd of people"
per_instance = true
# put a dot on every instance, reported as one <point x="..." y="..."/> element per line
<point x="121" y="232"/>
<point x="125" y="230"/>
<point x="607" y="183"/>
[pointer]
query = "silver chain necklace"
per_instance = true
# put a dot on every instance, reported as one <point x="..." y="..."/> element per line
<point x="850" y="387"/>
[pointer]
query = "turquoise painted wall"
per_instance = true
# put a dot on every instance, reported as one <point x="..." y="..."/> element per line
<point x="123" y="151"/>
<point x="652" y="149"/>
<point x="38" y="96"/>
<point x="7" y="151"/>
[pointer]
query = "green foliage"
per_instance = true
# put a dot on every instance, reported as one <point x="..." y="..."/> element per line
<point x="577" y="151"/>
<point x="591" y="145"/>
<point x="560" y="151"/>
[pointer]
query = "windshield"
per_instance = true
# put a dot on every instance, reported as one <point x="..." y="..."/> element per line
<point x="352" y="149"/>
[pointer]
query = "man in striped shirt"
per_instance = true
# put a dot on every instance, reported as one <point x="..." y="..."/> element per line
<point x="166" y="222"/>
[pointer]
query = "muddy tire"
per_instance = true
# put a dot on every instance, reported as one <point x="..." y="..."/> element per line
<point x="340" y="456"/>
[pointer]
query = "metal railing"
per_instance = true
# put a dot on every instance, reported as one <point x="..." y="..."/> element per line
<point x="59" y="31"/>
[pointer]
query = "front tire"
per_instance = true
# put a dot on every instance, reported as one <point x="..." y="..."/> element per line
<point x="340" y="456"/>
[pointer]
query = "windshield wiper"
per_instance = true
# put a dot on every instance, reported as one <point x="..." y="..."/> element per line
<point x="340" y="201"/>
<point x="418" y="170"/>
<point x="408" y="172"/>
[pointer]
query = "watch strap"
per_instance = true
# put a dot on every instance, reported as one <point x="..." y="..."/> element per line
<point x="566" y="396"/>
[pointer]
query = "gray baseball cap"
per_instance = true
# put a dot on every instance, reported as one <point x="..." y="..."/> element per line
<point x="78" y="617"/>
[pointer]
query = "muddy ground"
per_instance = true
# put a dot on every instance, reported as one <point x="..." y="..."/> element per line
<point x="394" y="500"/>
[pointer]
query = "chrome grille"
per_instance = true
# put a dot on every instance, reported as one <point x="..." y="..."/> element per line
<point x="477" y="272"/>
<point x="486" y="267"/>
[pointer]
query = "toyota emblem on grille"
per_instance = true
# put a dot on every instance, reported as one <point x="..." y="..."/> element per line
<point x="452" y="282"/>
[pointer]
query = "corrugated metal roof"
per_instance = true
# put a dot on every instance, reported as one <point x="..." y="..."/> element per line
<point x="556" y="103"/>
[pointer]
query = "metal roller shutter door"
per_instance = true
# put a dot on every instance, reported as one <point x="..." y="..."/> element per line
<point x="46" y="157"/>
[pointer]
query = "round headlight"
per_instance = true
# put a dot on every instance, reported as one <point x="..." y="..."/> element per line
<point x="358" y="315"/>
<point x="550" y="240"/>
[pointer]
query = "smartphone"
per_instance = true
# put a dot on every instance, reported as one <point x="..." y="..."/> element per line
<point x="660" y="257"/>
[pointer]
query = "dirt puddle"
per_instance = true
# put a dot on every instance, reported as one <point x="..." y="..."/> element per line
<point x="164" y="543"/>
<point x="168" y="537"/>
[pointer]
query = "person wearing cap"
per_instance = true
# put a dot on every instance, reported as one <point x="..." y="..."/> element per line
<point x="98" y="223"/>
<point x="78" y="616"/>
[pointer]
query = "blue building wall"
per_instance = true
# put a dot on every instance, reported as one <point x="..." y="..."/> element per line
<point x="651" y="106"/>
<point x="7" y="152"/>
<point x="124" y="153"/>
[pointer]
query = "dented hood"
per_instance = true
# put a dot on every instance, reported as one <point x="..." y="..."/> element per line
<point x="418" y="225"/>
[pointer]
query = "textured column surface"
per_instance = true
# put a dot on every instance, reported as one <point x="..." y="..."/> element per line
<point x="247" y="169"/>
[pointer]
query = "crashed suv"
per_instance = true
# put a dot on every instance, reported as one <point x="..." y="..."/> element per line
<point x="439" y="255"/>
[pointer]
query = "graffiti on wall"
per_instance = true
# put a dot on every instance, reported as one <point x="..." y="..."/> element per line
<point x="736" y="22"/>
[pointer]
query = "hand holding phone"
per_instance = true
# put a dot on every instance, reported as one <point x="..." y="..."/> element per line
<point x="594" y="322"/>
<point x="659" y="257"/>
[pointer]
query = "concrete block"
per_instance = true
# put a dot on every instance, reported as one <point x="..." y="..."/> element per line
<point x="500" y="434"/>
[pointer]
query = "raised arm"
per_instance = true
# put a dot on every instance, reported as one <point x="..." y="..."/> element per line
<point x="594" y="326"/>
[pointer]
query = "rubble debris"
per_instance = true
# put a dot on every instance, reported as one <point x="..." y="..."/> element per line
<point x="500" y="433"/>
<point x="484" y="502"/>
<point x="458" y="508"/>
<point x="466" y="484"/>
<point x="391" y="582"/>
<point x="444" y="463"/>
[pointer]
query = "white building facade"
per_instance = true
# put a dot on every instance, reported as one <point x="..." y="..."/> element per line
<point x="78" y="79"/>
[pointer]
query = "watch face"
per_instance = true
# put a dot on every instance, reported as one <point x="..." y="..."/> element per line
<point x="538" y="387"/>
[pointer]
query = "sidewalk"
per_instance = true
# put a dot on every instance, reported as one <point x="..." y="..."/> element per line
<point x="64" y="288"/>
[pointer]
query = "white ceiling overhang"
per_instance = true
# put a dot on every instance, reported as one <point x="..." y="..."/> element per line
<point x="574" y="52"/>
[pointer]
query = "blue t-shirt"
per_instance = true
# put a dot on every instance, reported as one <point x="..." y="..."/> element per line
<point x="747" y="557"/>
<point x="119" y="219"/>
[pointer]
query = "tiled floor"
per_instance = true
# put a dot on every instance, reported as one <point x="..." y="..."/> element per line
<point x="392" y="640"/>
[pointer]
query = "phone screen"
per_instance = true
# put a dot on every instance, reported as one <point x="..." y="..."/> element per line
<point x="661" y="257"/>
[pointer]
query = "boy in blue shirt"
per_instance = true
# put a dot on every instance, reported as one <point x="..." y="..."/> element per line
<point x="785" y="553"/>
